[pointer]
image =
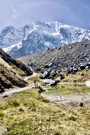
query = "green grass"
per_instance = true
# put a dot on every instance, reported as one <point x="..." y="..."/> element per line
<point x="2" y="114"/>
<point x="68" y="89"/>
<point x="27" y="113"/>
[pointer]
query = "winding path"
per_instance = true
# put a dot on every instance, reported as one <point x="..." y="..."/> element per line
<point x="11" y="91"/>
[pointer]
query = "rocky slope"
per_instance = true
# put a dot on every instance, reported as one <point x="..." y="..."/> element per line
<point x="12" y="72"/>
<point x="70" y="58"/>
<point x="39" y="36"/>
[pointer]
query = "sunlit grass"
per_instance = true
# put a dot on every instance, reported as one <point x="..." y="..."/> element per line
<point x="80" y="76"/>
<point x="68" y="89"/>
<point x="29" y="113"/>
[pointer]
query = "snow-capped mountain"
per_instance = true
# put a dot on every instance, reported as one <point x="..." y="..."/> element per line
<point x="39" y="36"/>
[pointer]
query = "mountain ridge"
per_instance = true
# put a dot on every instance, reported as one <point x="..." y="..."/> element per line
<point x="12" y="72"/>
<point x="40" y="36"/>
<point x="70" y="58"/>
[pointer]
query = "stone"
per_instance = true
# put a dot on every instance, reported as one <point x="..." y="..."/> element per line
<point x="82" y="65"/>
<point x="49" y="82"/>
<point x="46" y="66"/>
<point x="81" y="74"/>
<point x="61" y="76"/>
<point x="45" y="75"/>
<point x="87" y="83"/>
<point x="87" y="68"/>
<point x="50" y="64"/>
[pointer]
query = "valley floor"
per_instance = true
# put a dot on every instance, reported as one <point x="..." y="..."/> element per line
<point x="71" y="101"/>
<point x="51" y="113"/>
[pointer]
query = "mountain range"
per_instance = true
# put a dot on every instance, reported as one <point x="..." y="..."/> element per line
<point x="39" y="36"/>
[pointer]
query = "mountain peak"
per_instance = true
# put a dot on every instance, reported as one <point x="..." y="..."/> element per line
<point x="34" y="37"/>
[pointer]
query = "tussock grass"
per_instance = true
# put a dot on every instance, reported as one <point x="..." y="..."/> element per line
<point x="30" y="114"/>
<point x="37" y="78"/>
<point x="80" y="76"/>
<point x="2" y="114"/>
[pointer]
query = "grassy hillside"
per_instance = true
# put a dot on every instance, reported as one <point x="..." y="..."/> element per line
<point x="11" y="72"/>
<point x="29" y="113"/>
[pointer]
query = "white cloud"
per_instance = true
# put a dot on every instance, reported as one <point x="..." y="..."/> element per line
<point x="12" y="8"/>
<point x="14" y="12"/>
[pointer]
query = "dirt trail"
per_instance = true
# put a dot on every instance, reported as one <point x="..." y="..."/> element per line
<point x="11" y="91"/>
<point x="69" y="100"/>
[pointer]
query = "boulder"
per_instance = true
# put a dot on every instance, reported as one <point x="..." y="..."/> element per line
<point x="87" y="83"/>
<point x="58" y="71"/>
<point x="49" y="82"/>
<point x="75" y="69"/>
<point x="46" y="66"/>
<point x="69" y="70"/>
<point x="79" y="69"/>
<point x="50" y="65"/>
<point x="45" y="75"/>
<point x="88" y="64"/>
<point x="87" y="68"/>
<point x="81" y="74"/>
<point x="41" y="89"/>
<point x="61" y="76"/>
<point x="82" y="65"/>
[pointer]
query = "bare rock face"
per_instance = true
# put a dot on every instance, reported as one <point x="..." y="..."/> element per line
<point x="12" y="72"/>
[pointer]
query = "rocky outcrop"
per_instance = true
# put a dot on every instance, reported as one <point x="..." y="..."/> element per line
<point x="50" y="82"/>
<point x="72" y="58"/>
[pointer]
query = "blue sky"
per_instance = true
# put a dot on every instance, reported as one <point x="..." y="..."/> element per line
<point x="21" y="12"/>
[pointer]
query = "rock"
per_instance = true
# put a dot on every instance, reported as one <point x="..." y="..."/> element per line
<point x="49" y="82"/>
<point x="82" y="65"/>
<point x="5" y="96"/>
<point x="37" y="69"/>
<point x="41" y="89"/>
<point x="52" y="78"/>
<point x="87" y="68"/>
<point x="69" y="70"/>
<point x="75" y="69"/>
<point x="87" y="83"/>
<point x="3" y="130"/>
<point x="88" y="64"/>
<point x="61" y="76"/>
<point x="74" y="57"/>
<point x="53" y="75"/>
<point x="30" y="64"/>
<point x="46" y="66"/>
<point x="45" y="75"/>
<point x="50" y="64"/>
<point x="81" y="104"/>
<point x="79" y="69"/>
<point x="70" y="47"/>
<point x="58" y="71"/>
<point x="59" y="48"/>
<point x="81" y="74"/>
<point x="1" y="89"/>
<point x="52" y="72"/>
